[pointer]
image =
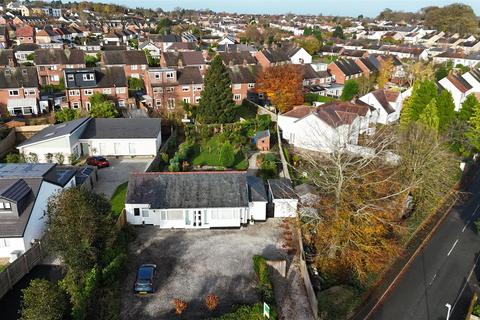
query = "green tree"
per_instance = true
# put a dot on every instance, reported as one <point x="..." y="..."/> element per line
<point x="164" y="26"/>
<point x="15" y="158"/>
<point x="216" y="103"/>
<point x="338" y="32"/>
<point x="429" y="116"/>
<point x="446" y="110"/>
<point x="66" y="114"/>
<point x="152" y="62"/>
<point x="91" y="61"/>
<point x="133" y="43"/>
<point x="135" y="84"/>
<point x="103" y="110"/>
<point x="350" y="90"/>
<point x="43" y="300"/>
<point x="101" y="107"/>
<point x="423" y="92"/>
<point x="468" y="107"/>
<point x="227" y="155"/>
<point x="79" y="227"/>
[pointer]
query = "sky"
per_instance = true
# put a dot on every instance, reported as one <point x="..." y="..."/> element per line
<point x="369" y="8"/>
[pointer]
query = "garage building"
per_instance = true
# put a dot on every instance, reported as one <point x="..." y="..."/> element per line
<point x="89" y="136"/>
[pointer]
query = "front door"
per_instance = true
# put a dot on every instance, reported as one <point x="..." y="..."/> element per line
<point x="197" y="218"/>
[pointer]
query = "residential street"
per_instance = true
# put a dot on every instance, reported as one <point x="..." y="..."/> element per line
<point x="446" y="270"/>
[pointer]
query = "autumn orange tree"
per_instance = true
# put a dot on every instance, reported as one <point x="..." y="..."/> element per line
<point x="385" y="73"/>
<point x="354" y="227"/>
<point x="283" y="86"/>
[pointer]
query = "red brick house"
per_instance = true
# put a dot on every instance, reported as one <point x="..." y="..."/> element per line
<point x="19" y="91"/>
<point x="169" y="88"/>
<point x="134" y="62"/>
<point x="244" y="79"/>
<point x="81" y="84"/>
<point x="344" y="69"/>
<point x="50" y="63"/>
<point x="25" y="34"/>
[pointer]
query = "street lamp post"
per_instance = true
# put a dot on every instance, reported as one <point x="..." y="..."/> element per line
<point x="449" y="308"/>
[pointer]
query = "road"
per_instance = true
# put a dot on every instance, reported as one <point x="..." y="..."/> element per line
<point x="445" y="271"/>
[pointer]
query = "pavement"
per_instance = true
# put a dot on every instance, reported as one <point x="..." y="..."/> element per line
<point x="118" y="172"/>
<point x="194" y="263"/>
<point x="445" y="272"/>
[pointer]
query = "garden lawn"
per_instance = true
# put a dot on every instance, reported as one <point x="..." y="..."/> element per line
<point x="209" y="155"/>
<point x="118" y="199"/>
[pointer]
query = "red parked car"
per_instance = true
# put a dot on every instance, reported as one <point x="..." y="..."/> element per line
<point x="99" y="162"/>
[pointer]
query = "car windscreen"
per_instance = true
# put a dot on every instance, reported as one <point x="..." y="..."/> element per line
<point x="144" y="274"/>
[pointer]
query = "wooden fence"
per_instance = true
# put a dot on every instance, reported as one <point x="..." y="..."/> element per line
<point x="122" y="220"/>
<point x="20" y="267"/>
<point x="312" y="297"/>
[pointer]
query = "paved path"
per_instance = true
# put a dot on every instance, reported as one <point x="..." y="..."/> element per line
<point x="445" y="272"/>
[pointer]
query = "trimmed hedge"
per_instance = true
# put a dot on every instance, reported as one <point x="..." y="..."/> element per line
<point x="265" y="288"/>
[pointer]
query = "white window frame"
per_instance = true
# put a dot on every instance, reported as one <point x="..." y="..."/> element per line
<point x="88" y="77"/>
<point x="120" y="90"/>
<point x="11" y="93"/>
<point x="88" y="92"/>
<point x="237" y="97"/>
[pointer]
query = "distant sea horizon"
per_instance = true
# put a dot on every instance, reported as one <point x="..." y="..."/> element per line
<point x="351" y="8"/>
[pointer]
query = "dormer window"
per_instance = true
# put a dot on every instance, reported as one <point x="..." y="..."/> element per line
<point x="70" y="77"/>
<point x="5" y="206"/>
<point x="88" y="77"/>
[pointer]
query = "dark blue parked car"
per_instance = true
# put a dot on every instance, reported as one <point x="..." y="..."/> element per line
<point x="145" y="278"/>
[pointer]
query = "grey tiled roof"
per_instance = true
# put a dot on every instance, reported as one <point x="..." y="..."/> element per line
<point x="12" y="78"/>
<point x="185" y="190"/>
<point x="118" y="128"/>
<point x="55" y="131"/>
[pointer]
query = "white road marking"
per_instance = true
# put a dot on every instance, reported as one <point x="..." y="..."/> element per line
<point x="466" y="225"/>
<point x="433" y="279"/>
<point x="465" y="284"/>
<point x="475" y="211"/>
<point x="454" y="244"/>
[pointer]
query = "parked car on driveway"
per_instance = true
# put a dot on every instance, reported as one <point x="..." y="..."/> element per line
<point x="99" y="162"/>
<point x="145" y="279"/>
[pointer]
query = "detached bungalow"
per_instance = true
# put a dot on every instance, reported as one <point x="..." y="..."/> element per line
<point x="196" y="200"/>
<point x="87" y="136"/>
<point x="283" y="198"/>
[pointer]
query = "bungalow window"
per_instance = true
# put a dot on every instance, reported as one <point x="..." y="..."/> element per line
<point x="136" y="212"/>
<point x="237" y="97"/>
<point x="88" y="77"/>
<point x="145" y="213"/>
<point x="107" y="91"/>
<point x="175" y="215"/>
<point x="120" y="90"/>
<point x="13" y="93"/>
<point x="6" y="206"/>
<point x="185" y="88"/>
<point x="88" y="92"/>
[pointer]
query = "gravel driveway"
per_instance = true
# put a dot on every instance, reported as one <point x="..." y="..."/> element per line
<point x="194" y="263"/>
